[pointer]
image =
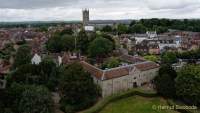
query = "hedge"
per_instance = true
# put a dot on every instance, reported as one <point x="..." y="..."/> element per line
<point x="104" y="102"/>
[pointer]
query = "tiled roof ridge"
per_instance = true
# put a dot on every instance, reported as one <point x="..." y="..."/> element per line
<point x="130" y="65"/>
<point x="91" y="65"/>
<point x="103" y="76"/>
<point x="104" y="73"/>
<point x="146" y="63"/>
<point x="111" y="69"/>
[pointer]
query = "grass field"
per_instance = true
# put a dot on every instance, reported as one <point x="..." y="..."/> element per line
<point x="136" y="104"/>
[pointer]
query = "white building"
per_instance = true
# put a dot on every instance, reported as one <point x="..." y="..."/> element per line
<point x="139" y="38"/>
<point x="59" y="60"/>
<point x="89" y="28"/>
<point x="36" y="59"/>
<point x="151" y="34"/>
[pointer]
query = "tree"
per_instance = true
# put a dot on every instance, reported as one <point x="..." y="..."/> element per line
<point x="23" y="56"/>
<point x="133" y="23"/>
<point x="5" y="102"/>
<point x="54" y="44"/>
<point x="121" y="29"/>
<point x="46" y="73"/>
<point x="21" y="98"/>
<point x="165" y="81"/>
<point x="109" y="38"/>
<point x="50" y="74"/>
<point x="83" y="41"/>
<point x="151" y="58"/>
<point x="188" y="84"/>
<point x="77" y="89"/>
<point x="7" y="51"/>
<point x="111" y="63"/>
<point x="42" y="29"/>
<point x="107" y="28"/>
<point x="137" y="28"/>
<point x="35" y="99"/>
<point x="59" y="43"/>
<point x="100" y="47"/>
<point x="26" y="74"/>
<point x="169" y="57"/>
<point x="160" y="29"/>
<point x="66" y="31"/>
<point x="68" y="42"/>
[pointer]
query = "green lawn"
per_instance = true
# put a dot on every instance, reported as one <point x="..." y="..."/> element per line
<point x="136" y="104"/>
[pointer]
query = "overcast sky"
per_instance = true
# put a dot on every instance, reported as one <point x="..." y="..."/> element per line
<point x="52" y="10"/>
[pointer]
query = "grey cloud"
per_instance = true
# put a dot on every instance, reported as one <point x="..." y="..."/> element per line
<point x="171" y="4"/>
<point x="23" y="10"/>
<point x="33" y="4"/>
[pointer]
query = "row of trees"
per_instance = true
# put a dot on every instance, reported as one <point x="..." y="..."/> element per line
<point x="154" y="24"/>
<point x="186" y="24"/>
<point x="172" y="57"/>
<point x="184" y="85"/>
<point x="122" y="29"/>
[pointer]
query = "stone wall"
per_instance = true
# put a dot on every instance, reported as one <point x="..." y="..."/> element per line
<point x="135" y="78"/>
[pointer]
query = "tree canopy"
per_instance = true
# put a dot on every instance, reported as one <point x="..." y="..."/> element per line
<point x="100" y="47"/>
<point x="151" y="58"/>
<point x="107" y="28"/>
<point x="137" y="28"/>
<point x="46" y="73"/>
<point x="111" y="63"/>
<point x="165" y="81"/>
<point x="188" y="84"/>
<point x="20" y="98"/>
<point x="59" y="43"/>
<point x="77" y="89"/>
<point x="169" y="57"/>
<point x="122" y="29"/>
<point x="23" y="56"/>
<point x="109" y="38"/>
<point x="162" y="25"/>
<point x="82" y="41"/>
<point x="36" y="99"/>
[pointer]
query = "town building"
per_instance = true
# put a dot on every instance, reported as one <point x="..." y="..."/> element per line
<point x="151" y="34"/>
<point x="122" y="78"/>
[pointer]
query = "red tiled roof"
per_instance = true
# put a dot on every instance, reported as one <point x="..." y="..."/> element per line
<point x="92" y="70"/>
<point x="146" y="66"/>
<point x="116" y="72"/>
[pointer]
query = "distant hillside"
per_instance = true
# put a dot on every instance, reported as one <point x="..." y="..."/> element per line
<point x="52" y="23"/>
<point x="110" y="21"/>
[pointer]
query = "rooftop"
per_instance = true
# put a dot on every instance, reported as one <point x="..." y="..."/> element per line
<point x="118" y="71"/>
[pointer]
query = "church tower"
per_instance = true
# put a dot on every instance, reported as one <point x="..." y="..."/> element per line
<point x="86" y="17"/>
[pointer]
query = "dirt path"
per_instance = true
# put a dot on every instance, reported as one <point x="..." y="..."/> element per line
<point x="56" y="99"/>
